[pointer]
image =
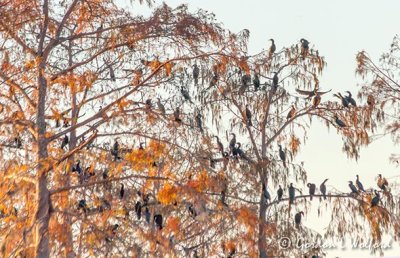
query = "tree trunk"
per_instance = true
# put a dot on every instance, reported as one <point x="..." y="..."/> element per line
<point x="42" y="215"/>
<point x="261" y="227"/>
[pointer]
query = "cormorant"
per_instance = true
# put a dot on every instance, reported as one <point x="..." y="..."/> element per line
<point x="122" y="192"/>
<point x="280" y="193"/>
<point x="185" y="94"/>
<point x="304" y="47"/>
<point x="272" y="48"/>
<point x="344" y="100"/>
<point x="353" y="187"/>
<point x="199" y="122"/>
<point x="275" y="81"/>
<point x="65" y="142"/>
<point x="312" y="93"/>
<point x="148" y="103"/>
<point x="138" y="210"/>
<point x="82" y="205"/>
<point x="77" y="167"/>
<point x="359" y="184"/>
<point x="248" y="116"/>
<point x="111" y="71"/>
<point x="177" y="113"/>
<point x="282" y="155"/>
<point x="18" y="142"/>
<point x="382" y="183"/>
<point x="311" y="189"/>
<point x="376" y="199"/>
<point x="192" y="210"/>
<point x="297" y="218"/>
<point x="350" y="99"/>
<point x="232" y="143"/>
<point x="220" y="145"/>
<point x="147" y="215"/>
<point x="292" y="193"/>
<point x="267" y="195"/>
<point x="196" y="72"/>
<point x="256" y="82"/>
<point x="322" y="188"/>
<point x="291" y="113"/>
<point x="115" y="150"/>
<point x="158" y="219"/>
<point x="239" y="152"/>
<point x="339" y="122"/>
<point x="214" y="80"/>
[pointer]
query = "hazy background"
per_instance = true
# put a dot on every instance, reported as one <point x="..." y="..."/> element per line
<point x="338" y="29"/>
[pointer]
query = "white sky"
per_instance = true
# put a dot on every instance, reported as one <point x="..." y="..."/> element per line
<point x="338" y="29"/>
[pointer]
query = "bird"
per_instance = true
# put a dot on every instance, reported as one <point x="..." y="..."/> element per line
<point x="158" y="219"/>
<point x="376" y="199"/>
<point x="312" y="93"/>
<point x="122" y="192"/>
<point x="280" y="193"/>
<point x="275" y="81"/>
<point x="196" y="72"/>
<point x="316" y="100"/>
<point x="291" y="193"/>
<point x="147" y="215"/>
<point x="65" y="142"/>
<point x="177" y="113"/>
<point x="311" y="189"/>
<point x="18" y="142"/>
<point x="256" y="82"/>
<point x="138" y="210"/>
<point x="115" y="150"/>
<point x="350" y="99"/>
<point x="220" y="145"/>
<point x="339" y="122"/>
<point x="359" y="184"/>
<point x="344" y="100"/>
<point x="353" y="187"/>
<point x="291" y="113"/>
<point x="267" y="195"/>
<point x="282" y="155"/>
<point x="185" y="94"/>
<point x="297" y="218"/>
<point x="148" y="103"/>
<point x="199" y="122"/>
<point x="214" y="80"/>
<point x="272" y="48"/>
<point x="322" y="188"/>
<point x="161" y="107"/>
<point x="239" y="152"/>
<point x="248" y="116"/>
<point x="77" y="167"/>
<point x="111" y="71"/>
<point x="192" y="210"/>
<point x="141" y="148"/>
<point x="304" y="47"/>
<point x="246" y="79"/>
<point x="382" y="183"/>
<point x="232" y="143"/>
<point x="82" y="205"/>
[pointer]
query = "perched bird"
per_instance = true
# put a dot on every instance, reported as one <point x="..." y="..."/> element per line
<point x="177" y="113"/>
<point x="344" y="100"/>
<point x="272" y="48"/>
<point x="65" y="142"/>
<point x="382" y="183"/>
<point x="199" y="122"/>
<point x="256" y="82"/>
<point x="111" y="72"/>
<point x="115" y="151"/>
<point x="292" y="193"/>
<point x="121" y="192"/>
<point x="220" y="145"/>
<point x="297" y="218"/>
<point x="275" y="81"/>
<point x="246" y="79"/>
<point x="376" y="199"/>
<point x="350" y="99"/>
<point x="291" y="113"/>
<point x="304" y="47"/>
<point x="280" y="193"/>
<point x="353" y="187"/>
<point x="267" y="195"/>
<point x="18" y="142"/>
<point x="359" y="184"/>
<point x="282" y="155"/>
<point x="339" y="122"/>
<point x="232" y="143"/>
<point x="141" y="146"/>
<point x="138" y="210"/>
<point x="214" y="80"/>
<point x="147" y="215"/>
<point x="161" y="107"/>
<point x="239" y="152"/>
<point x="192" y="210"/>
<point x="77" y="167"/>
<point x="148" y="103"/>
<point x="196" y="72"/>
<point x="82" y="205"/>
<point x="311" y="189"/>
<point x="248" y="116"/>
<point x="185" y="94"/>
<point x="158" y="219"/>
<point x="322" y="188"/>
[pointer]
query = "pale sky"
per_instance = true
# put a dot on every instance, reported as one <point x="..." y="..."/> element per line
<point x="338" y="29"/>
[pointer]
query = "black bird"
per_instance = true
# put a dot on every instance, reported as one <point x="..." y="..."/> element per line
<point x="382" y="183"/>
<point x="18" y="142"/>
<point x="147" y="215"/>
<point x="292" y="193"/>
<point x="280" y="193"/>
<point x="376" y="199"/>
<point x="105" y="174"/>
<point x="311" y="189"/>
<point x="122" y="192"/>
<point x="138" y="210"/>
<point x="246" y="79"/>
<point x="272" y="48"/>
<point x="267" y="195"/>
<point x="141" y="146"/>
<point x="185" y="94"/>
<point x="77" y="167"/>
<point x="160" y="107"/>
<point x="232" y="143"/>
<point x="256" y="82"/>
<point x="111" y="71"/>
<point x="344" y="100"/>
<point x="115" y="151"/>
<point x="192" y="210"/>
<point x="297" y="218"/>
<point x="359" y="184"/>
<point x="220" y="145"/>
<point x="339" y="122"/>
<point x="196" y="72"/>
<point x="282" y="155"/>
<point x="304" y="47"/>
<point x="248" y="116"/>
<point x="312" y="93"/>
<point x="158" y="219"/>
<point x="353" y="187"/>
<point x="275" y="81"/>
<point x="322" y="188"/>
<point x="148" y="103"/>
<point x="65" y="142"/>
<point x="199" y="122"/>
<point x="350" y="99"/>
<point x="214" y="80"/>
<point x="177" y="113"/>
<point x="82" y="205"/>
<point x="239" y="152"/>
